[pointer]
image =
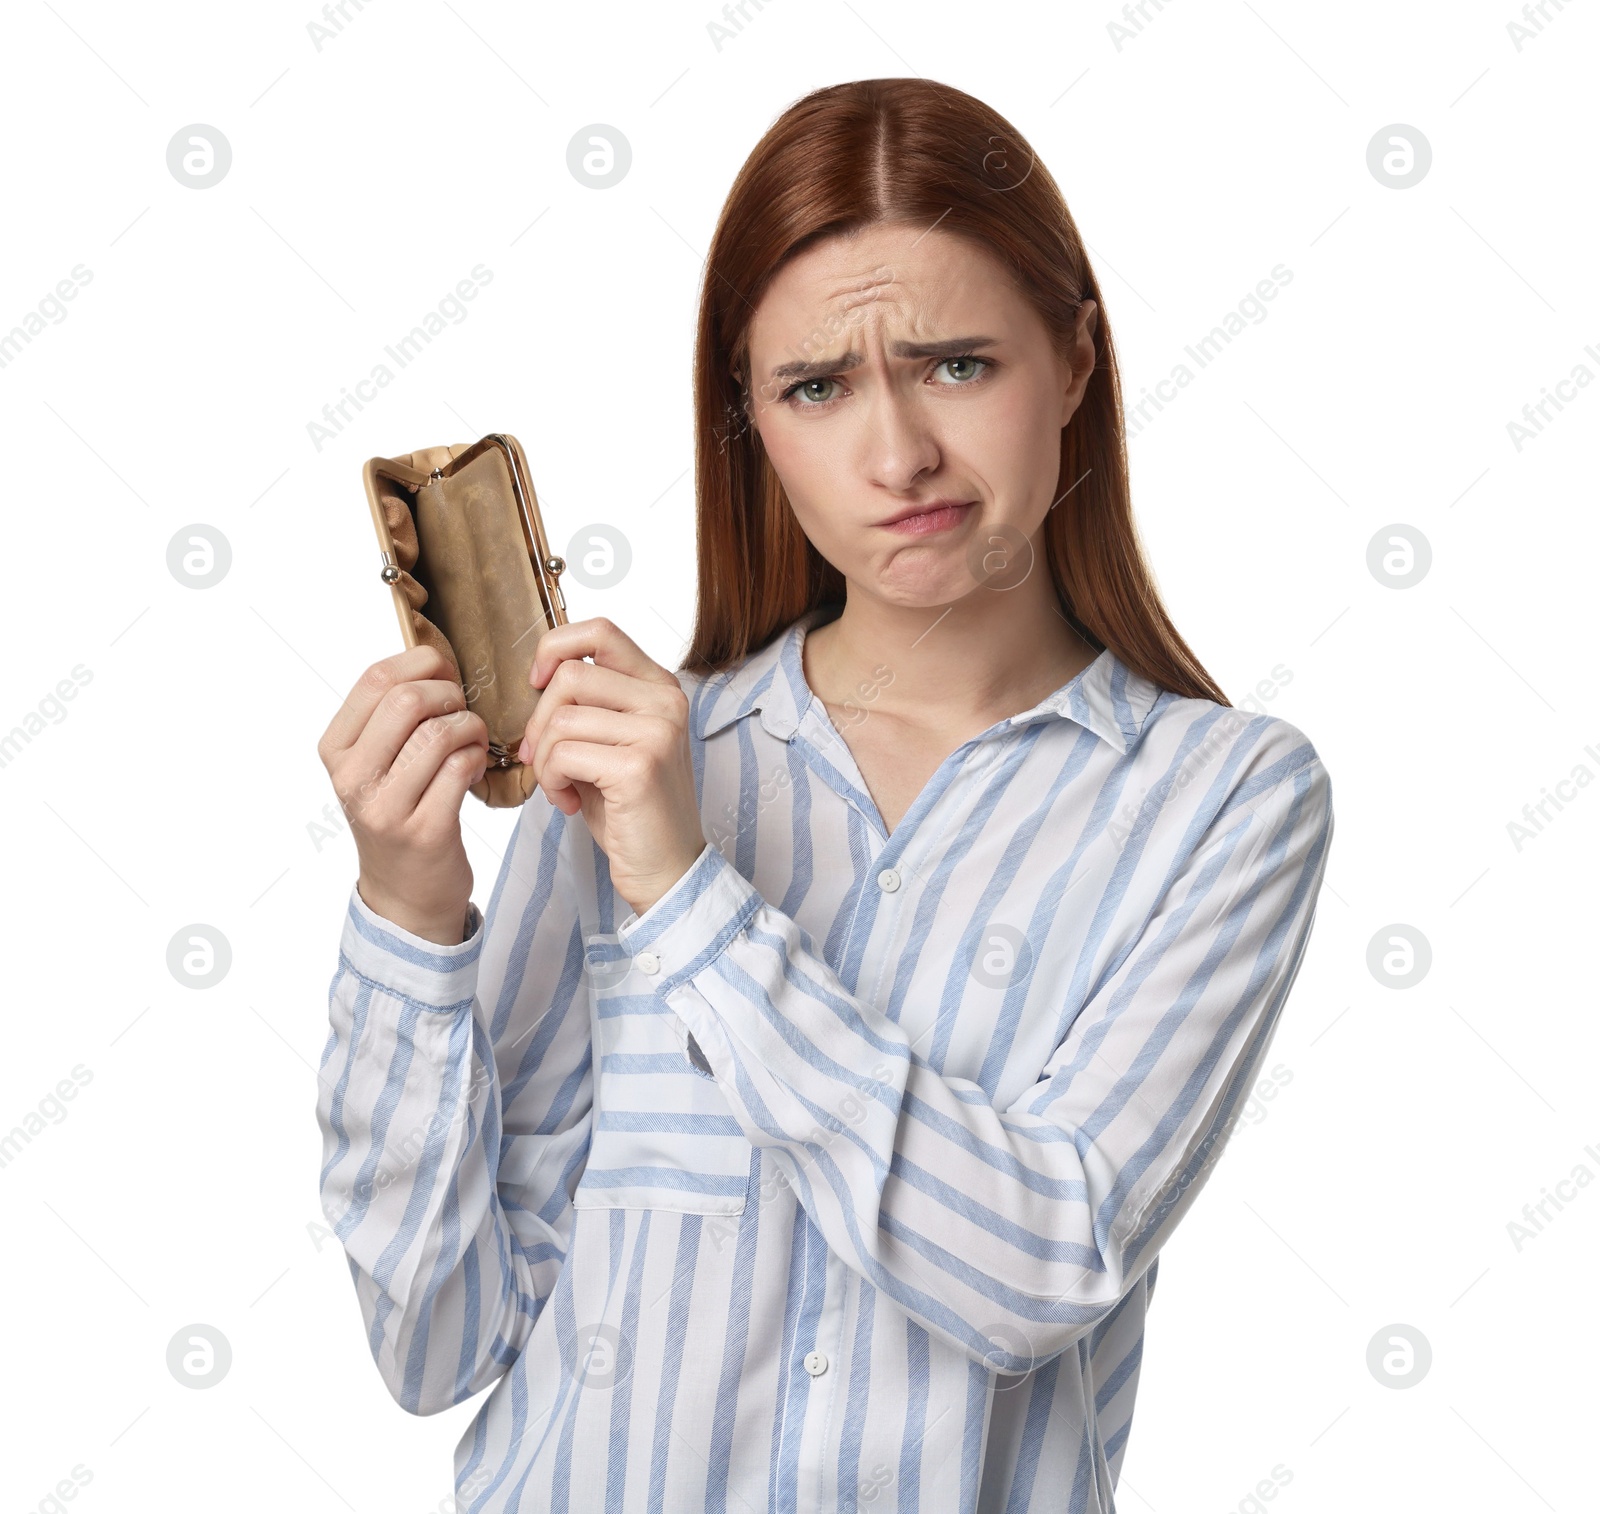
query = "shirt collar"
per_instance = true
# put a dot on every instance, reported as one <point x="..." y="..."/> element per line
<point x="1107" y="697"/>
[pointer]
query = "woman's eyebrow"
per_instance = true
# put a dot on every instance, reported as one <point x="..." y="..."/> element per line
<point x="950" y="347"/>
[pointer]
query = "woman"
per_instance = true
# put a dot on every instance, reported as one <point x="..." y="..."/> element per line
<point x="860" y="1006"/>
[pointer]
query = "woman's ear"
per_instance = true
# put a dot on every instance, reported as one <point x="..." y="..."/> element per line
<point x="1082" y="359"/>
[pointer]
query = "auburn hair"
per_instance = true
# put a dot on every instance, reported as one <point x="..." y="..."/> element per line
<point x="912" y="151"/>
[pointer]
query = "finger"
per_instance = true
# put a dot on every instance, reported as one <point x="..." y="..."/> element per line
<point x="601" y="763"/>
<point x="399" y="785"/>
<point x="600" y="639"/>
<point x="350" y="719"/>
<point x="395" y="719"/>
<point x="440" y="802"/>
<point x="432" y="744"/>
<point x="591" y="685"/>
<point x="577" y="722"/>
<point x="581" y="722"/>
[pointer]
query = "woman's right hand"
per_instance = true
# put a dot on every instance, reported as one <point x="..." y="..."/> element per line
<point x="402" y="751"/>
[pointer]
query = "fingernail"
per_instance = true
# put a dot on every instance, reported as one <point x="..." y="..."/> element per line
<point x="522" y="751"/>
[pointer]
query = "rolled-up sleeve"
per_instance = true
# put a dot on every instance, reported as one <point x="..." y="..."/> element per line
<point x="1023" y="1225"/>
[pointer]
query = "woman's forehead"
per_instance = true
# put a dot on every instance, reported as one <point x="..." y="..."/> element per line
<point x="921" y="291"/>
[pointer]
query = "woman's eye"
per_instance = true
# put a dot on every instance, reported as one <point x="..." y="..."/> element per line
<point x="813" y="394"/>
<point x="966" y="362"/>
<point x="806" y="387"/>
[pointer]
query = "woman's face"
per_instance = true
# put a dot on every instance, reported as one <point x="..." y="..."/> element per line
<point x="900" y="368"/>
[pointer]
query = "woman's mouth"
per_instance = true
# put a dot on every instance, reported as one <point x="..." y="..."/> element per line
<point x="939" y="517"/>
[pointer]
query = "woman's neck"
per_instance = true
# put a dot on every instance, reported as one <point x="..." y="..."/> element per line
<point x="956" y="667"/>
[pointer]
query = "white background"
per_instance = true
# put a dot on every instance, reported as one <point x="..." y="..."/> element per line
<point x="181" y="784"/>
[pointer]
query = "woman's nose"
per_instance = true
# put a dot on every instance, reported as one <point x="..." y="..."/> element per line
<point x="899" y="437"/>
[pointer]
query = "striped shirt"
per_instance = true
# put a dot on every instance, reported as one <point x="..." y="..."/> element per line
<point x="836" y="1180"/>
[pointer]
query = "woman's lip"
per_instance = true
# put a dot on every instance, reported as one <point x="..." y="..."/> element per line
<point x="928" y="522"/>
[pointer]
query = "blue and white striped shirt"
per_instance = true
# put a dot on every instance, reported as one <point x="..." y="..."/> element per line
<point x="836" y="1180"/>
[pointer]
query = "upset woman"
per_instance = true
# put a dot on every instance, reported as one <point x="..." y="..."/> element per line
<point x="861" y="1004"/>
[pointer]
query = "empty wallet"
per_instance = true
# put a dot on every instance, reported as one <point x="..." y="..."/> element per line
<point x="460" y="534"/>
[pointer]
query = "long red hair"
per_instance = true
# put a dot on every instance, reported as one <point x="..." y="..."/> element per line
<point x="915" y="151"/>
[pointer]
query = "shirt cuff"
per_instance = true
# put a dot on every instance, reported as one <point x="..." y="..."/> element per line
<point x="426" y="972"/>
<point x="691" y="924"/>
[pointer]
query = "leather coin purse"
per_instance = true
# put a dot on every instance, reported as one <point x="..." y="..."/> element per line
<point x="461" y="536"/>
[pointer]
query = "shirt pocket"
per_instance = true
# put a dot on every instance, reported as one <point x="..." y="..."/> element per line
<point x="663" y="1137"/>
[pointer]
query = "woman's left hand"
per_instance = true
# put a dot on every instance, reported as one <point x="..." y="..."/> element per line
<point x="611" y="738"/>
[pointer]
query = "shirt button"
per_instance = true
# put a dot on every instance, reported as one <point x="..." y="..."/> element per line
<point x="888" y="880"/>
<point x="816" y="1363"/>
<point x="647" y="962"/>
